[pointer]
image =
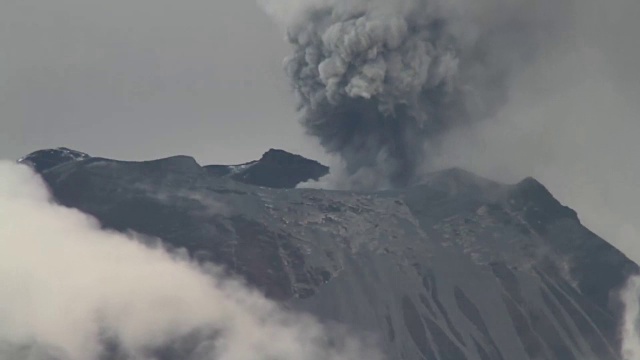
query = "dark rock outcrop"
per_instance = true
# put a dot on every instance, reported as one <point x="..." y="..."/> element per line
<point x="46" y="159"/>
<point x="276" y="169"/>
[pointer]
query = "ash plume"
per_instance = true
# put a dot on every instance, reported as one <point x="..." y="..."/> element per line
<point x="377" y="81"/>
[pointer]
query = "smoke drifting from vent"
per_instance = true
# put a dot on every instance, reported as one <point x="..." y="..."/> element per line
<point x="70" y="291"/>
<point x="377" y="80"/>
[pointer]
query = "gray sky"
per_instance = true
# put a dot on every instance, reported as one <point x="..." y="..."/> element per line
<point x="141" y="79"/>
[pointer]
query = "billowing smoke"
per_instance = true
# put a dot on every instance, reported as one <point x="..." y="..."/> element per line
<point x="70" y="291"/>
<point x="377" y="80"/>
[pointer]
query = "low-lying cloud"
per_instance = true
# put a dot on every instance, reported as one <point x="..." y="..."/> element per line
<point x="631" y="323"/>
<point x="71" y="291"/>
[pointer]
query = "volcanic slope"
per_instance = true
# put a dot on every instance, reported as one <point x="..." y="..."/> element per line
<point x="459" y="267"/>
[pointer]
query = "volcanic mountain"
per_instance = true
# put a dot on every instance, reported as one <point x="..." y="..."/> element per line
<point x="456" y="268"/>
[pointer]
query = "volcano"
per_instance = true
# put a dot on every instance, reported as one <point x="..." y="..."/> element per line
<point x="456" y="268"/>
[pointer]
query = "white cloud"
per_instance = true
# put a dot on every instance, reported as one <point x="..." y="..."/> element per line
<point x="631" y="321"/>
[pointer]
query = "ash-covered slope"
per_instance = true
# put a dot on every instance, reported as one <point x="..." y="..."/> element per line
<point x="459" y="267"/>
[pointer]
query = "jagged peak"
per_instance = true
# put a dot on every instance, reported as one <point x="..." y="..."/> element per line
<point x="45" y="159"/>
<point x="279" y="156"/>
<point x="532" y="183"/>
<point x="276" y="169"/>
<point x="533" y="195"/>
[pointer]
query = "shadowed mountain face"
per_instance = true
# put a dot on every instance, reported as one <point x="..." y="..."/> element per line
<point x="457" y="268"/>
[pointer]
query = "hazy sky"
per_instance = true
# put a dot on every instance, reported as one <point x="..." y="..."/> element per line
<point x="141" y="79"/>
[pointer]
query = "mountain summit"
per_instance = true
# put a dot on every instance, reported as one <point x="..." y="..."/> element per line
<point x="456" y="268"/>
<point x="276" y="169"/>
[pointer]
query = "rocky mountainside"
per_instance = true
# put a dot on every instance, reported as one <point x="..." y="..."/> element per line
<point x="456" y="268"/>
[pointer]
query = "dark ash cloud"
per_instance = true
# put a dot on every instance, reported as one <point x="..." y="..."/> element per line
<point x="376" y="81"/>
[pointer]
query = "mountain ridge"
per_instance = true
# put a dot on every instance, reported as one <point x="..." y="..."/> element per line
<point x="458" y="267"/>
